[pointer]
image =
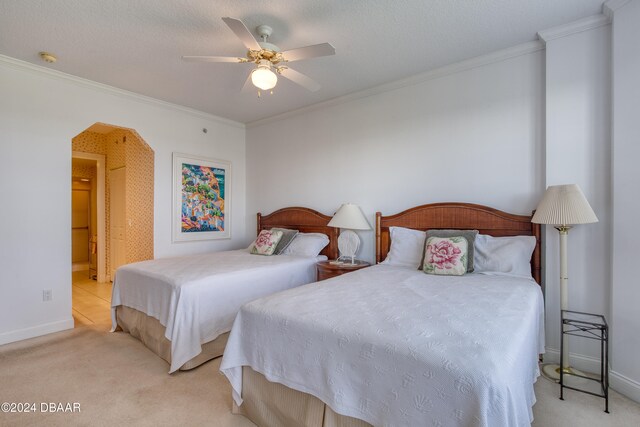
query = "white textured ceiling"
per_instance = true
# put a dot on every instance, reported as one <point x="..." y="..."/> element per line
<point x="137" y="45"/>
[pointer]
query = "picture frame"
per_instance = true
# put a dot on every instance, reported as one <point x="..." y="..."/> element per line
<point x="201" y="198"/>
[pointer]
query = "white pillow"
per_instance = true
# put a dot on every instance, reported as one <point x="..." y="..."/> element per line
<point x="407" y="246"/>
<point x="508" y="256"/>
<point x="307" y="244"/>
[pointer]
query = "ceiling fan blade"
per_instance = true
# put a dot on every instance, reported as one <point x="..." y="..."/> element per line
<point x="299" y="78"/>
<point x="243" y="33"/>
<point x="214" y="59"/>
<point x="248" y="85"/>
<point x="323" y="49"/>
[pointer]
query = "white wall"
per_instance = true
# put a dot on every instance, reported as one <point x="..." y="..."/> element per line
<point x="40" y="112"/>
<point x="494" y="131"/>
<point x="625" y="299"/>
<point x="471" y="136"/>
<point x="497" y="134"/>
<point x="578" y="151"/>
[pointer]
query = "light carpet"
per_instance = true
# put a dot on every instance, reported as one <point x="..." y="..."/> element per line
<point x="118" y="381"/>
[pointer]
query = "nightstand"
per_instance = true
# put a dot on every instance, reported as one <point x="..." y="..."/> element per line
<point x="591" y="326"/>
<point x="326" y="270"/>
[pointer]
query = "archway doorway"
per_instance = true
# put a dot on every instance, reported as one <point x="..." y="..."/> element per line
<point x="114" y="166"/>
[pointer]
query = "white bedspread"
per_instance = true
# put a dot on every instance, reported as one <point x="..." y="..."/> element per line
<point x="396" y="347"/>
<point x="197" y="297"/>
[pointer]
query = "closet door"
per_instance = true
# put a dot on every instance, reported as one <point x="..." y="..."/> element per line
<point x="117" y="219"/>
<point x="79" y="226"/>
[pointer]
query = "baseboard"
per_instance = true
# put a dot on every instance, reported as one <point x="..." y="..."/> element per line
<point x="578" y="361"/>
<point x="36" y="331"/>
<point x="618" y="382"/>
<point x="624" y="385"/>
<point x="80" y="266"/>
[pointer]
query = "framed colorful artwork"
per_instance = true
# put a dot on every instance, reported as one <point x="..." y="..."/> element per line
<point x="201" y="198"/>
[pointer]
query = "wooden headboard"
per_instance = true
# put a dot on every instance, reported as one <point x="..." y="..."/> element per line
<point x="459" y="216"/>
<point x="304" y="220"/>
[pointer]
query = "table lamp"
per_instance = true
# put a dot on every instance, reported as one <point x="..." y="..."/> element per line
<point x="563" y="206"/>
<point x="349" y="217"/>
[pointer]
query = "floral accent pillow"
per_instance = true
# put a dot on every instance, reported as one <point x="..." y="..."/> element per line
<point x="266" y="242"/>
<point x="446" y="256"/>
<point x="470" y="235"/>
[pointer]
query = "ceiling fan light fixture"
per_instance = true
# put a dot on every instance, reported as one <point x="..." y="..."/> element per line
<point x="263" y="78"/>
<point x="266" y="57"/>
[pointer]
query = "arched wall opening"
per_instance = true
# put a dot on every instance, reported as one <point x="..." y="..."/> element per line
<point x="121" y="227"/>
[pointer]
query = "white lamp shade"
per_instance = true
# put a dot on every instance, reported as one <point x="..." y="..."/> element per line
<point x="564" y="205"/>
<point x="263" y="78"/>
<point x="349" y="216"/>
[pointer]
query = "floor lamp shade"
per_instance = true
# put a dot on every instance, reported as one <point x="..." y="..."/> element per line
<point x="563" y="206"/>
<point x="349" y="217"/>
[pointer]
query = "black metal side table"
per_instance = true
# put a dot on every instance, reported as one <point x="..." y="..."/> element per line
<point x="592" y="326"/>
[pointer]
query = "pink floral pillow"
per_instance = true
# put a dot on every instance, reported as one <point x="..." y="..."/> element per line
<point x="446" y="256"/>
<point x="266" y="242"/>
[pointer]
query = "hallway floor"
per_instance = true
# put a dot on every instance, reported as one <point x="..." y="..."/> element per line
<point x="91" y="300"/>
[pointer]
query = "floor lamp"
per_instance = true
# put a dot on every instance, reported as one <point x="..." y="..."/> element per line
<point x="563" y="206"/>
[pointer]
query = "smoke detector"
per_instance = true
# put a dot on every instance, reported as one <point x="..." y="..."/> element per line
<point x="48" y="57"/>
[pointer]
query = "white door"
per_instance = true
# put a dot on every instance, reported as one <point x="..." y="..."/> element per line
<point x="117" y="219"/>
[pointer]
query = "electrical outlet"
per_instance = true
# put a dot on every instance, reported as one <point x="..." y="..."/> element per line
<point x="47" y="295"/>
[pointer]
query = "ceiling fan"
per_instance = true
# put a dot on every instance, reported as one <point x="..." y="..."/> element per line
<point x="270" y="61"/>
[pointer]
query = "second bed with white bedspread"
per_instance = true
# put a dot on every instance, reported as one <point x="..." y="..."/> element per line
<point x="197" y="297"/>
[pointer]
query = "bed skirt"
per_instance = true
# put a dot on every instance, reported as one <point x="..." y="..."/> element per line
<point x="149" y="330"/>
<point x="272" y="404"/>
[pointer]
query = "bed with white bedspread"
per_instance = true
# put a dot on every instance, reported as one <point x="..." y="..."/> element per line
<point x="182" y="308"/>
<point x="393" y="346"/>
<point x="196" y="298"/>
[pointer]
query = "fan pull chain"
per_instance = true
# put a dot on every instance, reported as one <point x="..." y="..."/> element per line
<point x="260" y="93"/>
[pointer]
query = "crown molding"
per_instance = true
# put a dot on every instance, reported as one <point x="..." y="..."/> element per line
<point x="79" y="81"/>
<point x="610" y="7"/>
<point x="585" y="24"/>
<point x="497" y="56"/>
